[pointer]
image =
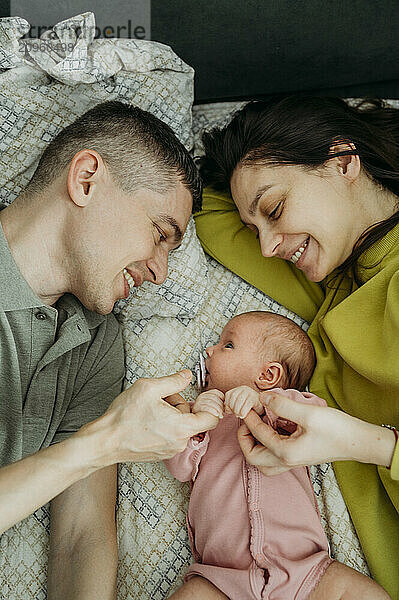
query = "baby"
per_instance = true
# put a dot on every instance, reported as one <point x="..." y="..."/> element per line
<point x="255" y="537"/>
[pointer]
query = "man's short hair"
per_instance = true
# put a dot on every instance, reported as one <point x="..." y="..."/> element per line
<point x="140" y="150"/>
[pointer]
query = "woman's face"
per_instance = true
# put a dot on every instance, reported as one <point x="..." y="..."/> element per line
<point x="307" y="217"/>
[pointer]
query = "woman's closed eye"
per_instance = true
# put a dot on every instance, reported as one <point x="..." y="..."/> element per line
<point x="277" y="212"/>
<point x="273" y="216"/>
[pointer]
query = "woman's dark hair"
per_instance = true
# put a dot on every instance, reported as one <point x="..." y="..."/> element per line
<point x="299" y="130"/>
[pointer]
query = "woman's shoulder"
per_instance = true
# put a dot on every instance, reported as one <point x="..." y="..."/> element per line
<point x="383" y="255"/>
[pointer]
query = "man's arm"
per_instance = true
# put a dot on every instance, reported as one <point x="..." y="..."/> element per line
<point x="31" y="482"/>
<point x="83" y="550"/>
<point x="139" y="426"/>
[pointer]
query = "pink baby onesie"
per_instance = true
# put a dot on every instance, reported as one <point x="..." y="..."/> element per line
<point x="254" y="537"/>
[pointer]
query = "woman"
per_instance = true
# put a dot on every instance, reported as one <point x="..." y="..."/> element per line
<point x="317" y="181"/>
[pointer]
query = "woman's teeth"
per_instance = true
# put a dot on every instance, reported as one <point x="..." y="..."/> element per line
<point x="295" y="257"/>
<point x="128" y="278"/>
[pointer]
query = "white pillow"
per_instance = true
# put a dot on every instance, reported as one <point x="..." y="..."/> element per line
<point x="41" y="92"/>
<point x="183" y="292"/>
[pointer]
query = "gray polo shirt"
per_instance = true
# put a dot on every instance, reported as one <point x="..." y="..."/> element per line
<point x="60" y="366"/>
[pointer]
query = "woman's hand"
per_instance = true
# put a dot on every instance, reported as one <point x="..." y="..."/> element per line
<point x="323" y="435"/>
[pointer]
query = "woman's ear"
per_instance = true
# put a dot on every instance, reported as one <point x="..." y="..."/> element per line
<point x="271" y="375"/>
<point x="348" y="164"/>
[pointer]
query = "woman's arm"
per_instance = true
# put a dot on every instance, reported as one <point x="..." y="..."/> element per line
<point x="324" y="435"/>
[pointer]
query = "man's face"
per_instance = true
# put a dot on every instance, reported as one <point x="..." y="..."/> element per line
<point x="235" y="360"/>
<point x="132" y="232"/>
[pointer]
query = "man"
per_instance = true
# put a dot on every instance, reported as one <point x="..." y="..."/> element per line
<point x="111" y="196"/>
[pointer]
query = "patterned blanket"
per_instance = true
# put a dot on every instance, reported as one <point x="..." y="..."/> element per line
<point x="164" y="328"/>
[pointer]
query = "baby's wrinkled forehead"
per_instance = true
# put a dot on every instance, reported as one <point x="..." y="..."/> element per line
<point x="238" y="324"/>
<point x="250" y="327"/>
<point x="266" y="331"/>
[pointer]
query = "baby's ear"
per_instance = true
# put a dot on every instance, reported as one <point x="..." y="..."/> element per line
<point x="271" y="375"/>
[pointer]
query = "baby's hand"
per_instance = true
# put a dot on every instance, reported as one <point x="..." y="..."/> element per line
<point x="210" y="401"/>
<point x="241" y="399"/>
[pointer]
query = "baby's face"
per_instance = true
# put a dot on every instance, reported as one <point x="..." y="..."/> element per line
<point x="235" y="360"/>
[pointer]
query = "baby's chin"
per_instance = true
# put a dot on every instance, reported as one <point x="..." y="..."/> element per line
<point x="213" y="385"/>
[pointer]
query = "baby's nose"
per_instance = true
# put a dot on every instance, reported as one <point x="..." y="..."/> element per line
<point x="209" y="351"/>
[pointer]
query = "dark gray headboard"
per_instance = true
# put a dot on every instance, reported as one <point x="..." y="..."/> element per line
<point x="258" y="47"/>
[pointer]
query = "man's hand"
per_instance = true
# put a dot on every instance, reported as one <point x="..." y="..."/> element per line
<point x="178" y="402"/>
<point x="211" y="402"/>
<point x="141" y="426"/>
<point x="138" y="426"/>
<point x="241" y="400"/>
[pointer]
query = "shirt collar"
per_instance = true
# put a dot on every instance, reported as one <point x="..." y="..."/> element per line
<point x="15" y="293"/>
<point x="72" y="306"/>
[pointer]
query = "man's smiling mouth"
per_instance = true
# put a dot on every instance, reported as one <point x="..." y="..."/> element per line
<point x="128" y="278"/>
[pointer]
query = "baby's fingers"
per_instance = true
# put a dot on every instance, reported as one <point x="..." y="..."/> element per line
<point x="214" y="394"/>
<point x="232" y="401"/>
<point x="259" y="408"/>
<point x="241" y="407"/>
<point x="213" y="410"/>
<point x="215" y="407"/>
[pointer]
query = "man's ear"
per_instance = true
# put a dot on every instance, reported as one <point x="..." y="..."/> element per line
<point x="348" y="165"/>
<point x="83" y="175"/>
<point x="270" y="376"/>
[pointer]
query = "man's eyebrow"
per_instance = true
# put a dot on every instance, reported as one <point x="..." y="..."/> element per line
<point x="174" y="224"/>
<point x="254" y="204"/>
